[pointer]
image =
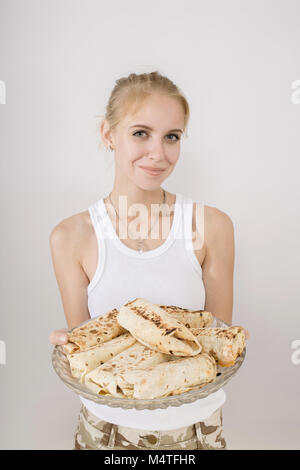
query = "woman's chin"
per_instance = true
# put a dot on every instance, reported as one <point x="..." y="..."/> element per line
<point x="147" y="186"/>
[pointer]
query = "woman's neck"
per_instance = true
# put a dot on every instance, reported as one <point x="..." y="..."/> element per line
<point x="137" y="196"/>
<point x="123" y="200"/>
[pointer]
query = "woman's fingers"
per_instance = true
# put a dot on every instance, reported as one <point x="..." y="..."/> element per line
<point x="59" y="336"/>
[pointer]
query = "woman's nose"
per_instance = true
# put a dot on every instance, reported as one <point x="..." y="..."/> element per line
<point x="156" y="154"/>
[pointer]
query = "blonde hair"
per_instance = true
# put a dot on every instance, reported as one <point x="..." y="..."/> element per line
<point x="129" y="93"/>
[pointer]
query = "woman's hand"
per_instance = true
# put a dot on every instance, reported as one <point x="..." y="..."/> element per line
<point x="59" y="336"/>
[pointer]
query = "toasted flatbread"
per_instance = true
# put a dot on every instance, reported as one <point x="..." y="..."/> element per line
<point x="190" y="318"/>
<point x="156" y="329"/>
<point x="95" y="332"/>
<point x="169" y="378"/>
<point x="224" y="344"/>
<point x="83" y="362"/>
<point x="105" y="379"/>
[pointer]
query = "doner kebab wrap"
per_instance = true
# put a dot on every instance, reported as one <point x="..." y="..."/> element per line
<point x="83" y="362"/>
<point x="190" y="318"/>
<point x="106" y="379"/>
<point x="224" y="344"/>
<point x="95" y="332"/>
<point x="169" y="377"/>
<point x="156" y="329"/>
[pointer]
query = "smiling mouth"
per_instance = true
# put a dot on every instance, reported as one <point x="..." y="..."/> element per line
<point x="152" y="171"/>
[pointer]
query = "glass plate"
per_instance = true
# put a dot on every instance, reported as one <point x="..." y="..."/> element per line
<point x="62" y="368"/>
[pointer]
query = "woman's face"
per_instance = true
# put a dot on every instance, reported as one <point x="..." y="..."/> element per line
<point x="149" y="138"/>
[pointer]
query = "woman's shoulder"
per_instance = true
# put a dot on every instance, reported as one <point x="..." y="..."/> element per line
<point x="212" y="214"/>
<point x="72" y="231"/>
<point x="219" y="229"/>
<point x="216" y="217"/>
<point x="216" y="222"/>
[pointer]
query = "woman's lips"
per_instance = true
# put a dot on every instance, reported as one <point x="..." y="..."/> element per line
<point x="152" y="172"/>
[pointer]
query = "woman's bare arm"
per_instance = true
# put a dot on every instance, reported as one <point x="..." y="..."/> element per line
<point x="218" y="264"/>
<point x="71" y="278"/>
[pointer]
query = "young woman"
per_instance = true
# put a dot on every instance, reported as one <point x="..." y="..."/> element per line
<point x="189" y="264"/>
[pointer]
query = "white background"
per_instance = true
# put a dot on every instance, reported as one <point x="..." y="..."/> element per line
<point x="236" y="62"/>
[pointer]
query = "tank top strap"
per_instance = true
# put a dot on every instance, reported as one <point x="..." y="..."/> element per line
<point x="189" y="235"/>
<point x="96" y="219"/>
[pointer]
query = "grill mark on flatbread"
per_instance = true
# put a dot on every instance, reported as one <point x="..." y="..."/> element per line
<point x="153" y="317"/>
<point x="131" y="302"/>
<point x="166" y="332"/>
<point x="228" y="333"/>
<point x="189" y="318"/>
<point x="95" y="331"/>
<point x="171" y="331"/>
<point x="112" y="314"/>
<point x="181" y="309"/>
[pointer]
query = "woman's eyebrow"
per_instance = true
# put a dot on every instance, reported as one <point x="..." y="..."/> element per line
<point x="150" y="128"/>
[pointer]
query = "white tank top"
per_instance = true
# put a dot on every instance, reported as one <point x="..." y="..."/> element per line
<point x="167" y="275"/>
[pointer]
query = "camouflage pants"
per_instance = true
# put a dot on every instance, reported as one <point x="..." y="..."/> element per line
<point x="92" y="433"/>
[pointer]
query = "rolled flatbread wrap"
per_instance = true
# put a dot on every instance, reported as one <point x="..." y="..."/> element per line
<point x="190" y="318"/>
<point x="170" y="378"/>
<point x="224" y="344"/>
<point x="70" y="348"/>
<point x="83" y="362"/>
<point x="105" y="379"/>
<point x="95" y="332"/>
<point x="156" y="329"/>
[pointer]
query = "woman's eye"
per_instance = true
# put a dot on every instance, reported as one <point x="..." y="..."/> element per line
<point x="143" y="132"/>
<point x="177" y="137"/>
<point x="139" y="132"/>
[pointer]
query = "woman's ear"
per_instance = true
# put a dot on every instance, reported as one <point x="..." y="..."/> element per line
<point x="106" y="134"/>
